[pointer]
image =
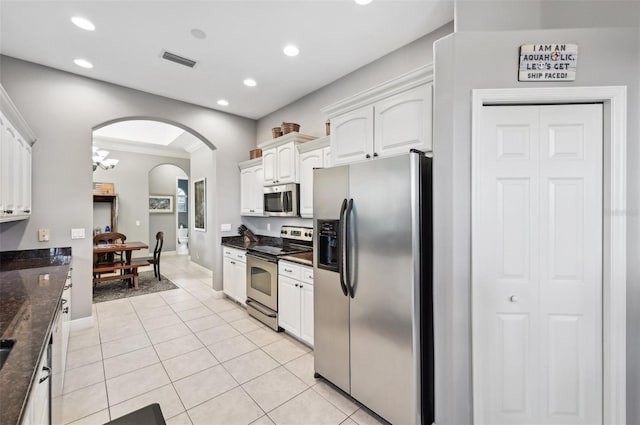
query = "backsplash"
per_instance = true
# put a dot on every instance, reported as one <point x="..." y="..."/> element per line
<point x="260" y="225"/>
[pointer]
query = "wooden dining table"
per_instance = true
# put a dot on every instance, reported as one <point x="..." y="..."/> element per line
<point x="130" y="267"/>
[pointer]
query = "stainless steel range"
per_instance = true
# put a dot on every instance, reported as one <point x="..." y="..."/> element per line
<point x="262" y="272"/>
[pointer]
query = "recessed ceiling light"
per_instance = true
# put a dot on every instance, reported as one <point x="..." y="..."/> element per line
<point x="83" y="63"/>
<point x="362" y="2"/>
<point x="291" y="50"/>
<point x="250" y="82"/>
<point x="198" y="33"/>
<point x="83" y="23"/>
<point x="223" y="102"/>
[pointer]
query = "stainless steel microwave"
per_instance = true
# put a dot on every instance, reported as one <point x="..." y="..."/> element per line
<point x="282" y="200"/>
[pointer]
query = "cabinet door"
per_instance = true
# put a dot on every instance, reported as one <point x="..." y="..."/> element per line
<point x="306" y="313"/>
<point x="286" y="163"/>
<point x="326" y="153"/>
<point x="229" y="277"/>
<point x="26" y="180"/>
<point x="289" y="304"/>
<point x="269" y="164"/>
<point x="258" y="193"/>
<point x="403" y="122"/>
<point x="247" y="183"/>
<point x="7" y="169"/>
<point x="240" y="272"/>
<point x="352" y="136"/>
<point x="308" y="161"/>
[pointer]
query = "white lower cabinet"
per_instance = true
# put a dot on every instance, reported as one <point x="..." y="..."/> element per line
<point x="234" y="274"/>
<point x="295" y="300"/>
<point x="36" y="412"/>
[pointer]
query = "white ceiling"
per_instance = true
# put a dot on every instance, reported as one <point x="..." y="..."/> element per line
<point x="244" y="39"/>
<point x="147" y="137"/>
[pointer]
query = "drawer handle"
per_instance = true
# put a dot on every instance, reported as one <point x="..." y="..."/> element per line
<point x="233" y="262"/>
<point x="288" y="270"/>
<point x="239" y="257"/>
<point x="66" y="310"/>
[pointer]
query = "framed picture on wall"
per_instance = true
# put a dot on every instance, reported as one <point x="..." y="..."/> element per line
<point x="160" y="203"/>
<point x="200" y="205"/>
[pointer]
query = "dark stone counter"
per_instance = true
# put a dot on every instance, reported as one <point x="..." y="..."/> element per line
<point x="31" y="284"/>
<point x="238" y="242"/>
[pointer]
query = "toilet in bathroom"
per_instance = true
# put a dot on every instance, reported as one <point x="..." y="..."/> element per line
<point x="183" y="241"/>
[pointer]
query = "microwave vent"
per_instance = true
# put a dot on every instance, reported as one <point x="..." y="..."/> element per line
<point x="178" y="59"/>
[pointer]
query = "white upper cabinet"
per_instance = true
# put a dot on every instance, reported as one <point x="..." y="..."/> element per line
<point x="15" y="162"/>
<point x="269" y="163"/>
<point x="403" y="122"/>
<point x="352" y="136"/>
<point x="386" y="120"/>
<point x="251" y="184"/>
<point x="312" y="155"/>
<point x="286" y="163"/>
<point x="308" y="161"/>
<point x="280" y="158"/>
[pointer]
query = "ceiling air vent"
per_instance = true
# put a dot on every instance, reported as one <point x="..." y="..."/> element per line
<point x="178" y="59"/>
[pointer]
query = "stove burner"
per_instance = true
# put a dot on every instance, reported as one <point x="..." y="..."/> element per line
<point x="278" y="251"/>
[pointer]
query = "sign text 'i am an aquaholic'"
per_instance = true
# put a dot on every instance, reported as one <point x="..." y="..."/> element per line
<point x="548" y="62"/>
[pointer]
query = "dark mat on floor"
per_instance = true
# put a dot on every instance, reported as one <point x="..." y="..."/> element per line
<point x="114" y="290"/>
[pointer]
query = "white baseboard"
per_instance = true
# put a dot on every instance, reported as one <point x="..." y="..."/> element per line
<point x="169" y="253"/>
<point x="218" y="294"/>
<point x="81" y="323"/>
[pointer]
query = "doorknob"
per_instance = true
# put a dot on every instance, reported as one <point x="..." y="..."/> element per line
<point x="514" y="298"/>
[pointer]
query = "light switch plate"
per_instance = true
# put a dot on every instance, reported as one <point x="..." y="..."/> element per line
<point x="43" y="235"/>
<point x="226" y="227"/>
<point x="77" y="233"/>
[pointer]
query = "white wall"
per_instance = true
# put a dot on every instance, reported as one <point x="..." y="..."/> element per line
<point x="203" y="244"/>
<point x="474" y="60"/>
<point x="62" y="109"/>
<point x="306" y="111"/>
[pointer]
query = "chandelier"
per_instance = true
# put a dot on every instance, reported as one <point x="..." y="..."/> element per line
<point x="100" y="159"/>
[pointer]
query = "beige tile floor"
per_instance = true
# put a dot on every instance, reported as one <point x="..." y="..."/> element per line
<point x="202" y="358"/>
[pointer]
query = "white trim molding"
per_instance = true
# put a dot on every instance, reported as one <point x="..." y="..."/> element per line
<point x="11" y="111"/>
<point x="615" y="212"/>
<point x="81" y="323"/>
<point x="409" y="80"/>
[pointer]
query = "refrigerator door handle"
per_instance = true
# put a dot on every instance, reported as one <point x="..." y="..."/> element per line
<point x="343" y="208"/>
<point x="347" y="248"/>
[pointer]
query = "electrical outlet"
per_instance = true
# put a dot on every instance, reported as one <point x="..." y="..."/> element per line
<point x="268" y="226"/>
<point x="43" y="235"/>
<point x="77" y="233"/>
<point x="226" y="227"/>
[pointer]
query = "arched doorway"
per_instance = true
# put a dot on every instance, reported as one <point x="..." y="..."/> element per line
<point x="151" y="155"/>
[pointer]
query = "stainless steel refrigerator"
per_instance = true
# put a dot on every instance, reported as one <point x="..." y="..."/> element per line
<point x="373" y="327"/>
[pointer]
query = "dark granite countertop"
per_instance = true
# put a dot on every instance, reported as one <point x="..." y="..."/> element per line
<point x="31" y="284"/>
<point x="238" y="242"/>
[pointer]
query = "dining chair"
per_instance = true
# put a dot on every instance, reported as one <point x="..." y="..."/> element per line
<point x="155" y="259"/>
<point x="109" y="238"/>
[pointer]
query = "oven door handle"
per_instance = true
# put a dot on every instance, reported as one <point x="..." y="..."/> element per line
<point x="258" y="307"/>
<point x="263" y="258"/>
<point x="341" y="247"/>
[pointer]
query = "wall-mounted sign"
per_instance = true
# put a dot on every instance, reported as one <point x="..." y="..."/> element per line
<point x="548" y="62"/>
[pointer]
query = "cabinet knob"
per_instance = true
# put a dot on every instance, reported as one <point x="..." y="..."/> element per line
<point x="288" y="270"/>
<point x="367" y="156"/>
<point x="375" y="154"/>
<point x="233" y="262"/>
<point x="27" y="211"/>
<point x="66" y="310"/>
<point x="296" y="285"/>
<point x="514" y="298"/>
<point x="301" y="286"/>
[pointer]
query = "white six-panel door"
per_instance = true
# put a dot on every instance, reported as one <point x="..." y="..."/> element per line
<point x="537" y="265"/>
